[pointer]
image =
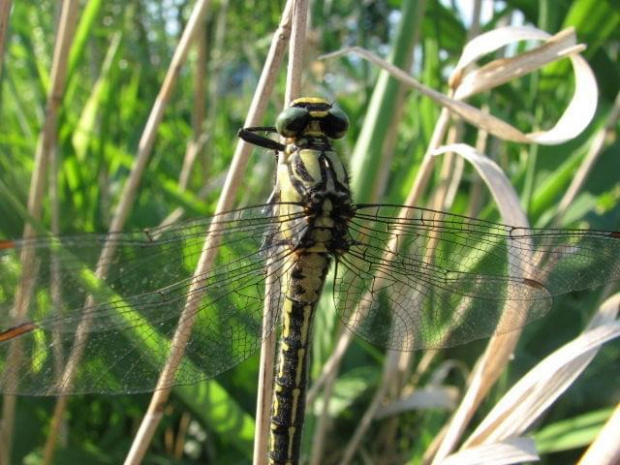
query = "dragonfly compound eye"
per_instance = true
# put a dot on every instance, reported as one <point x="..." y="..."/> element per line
<point x="335" y="124"/>
<point x="292" y="121"/>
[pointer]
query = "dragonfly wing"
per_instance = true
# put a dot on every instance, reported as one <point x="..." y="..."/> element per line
<point x="125" y="330"/>
<point x="431" y="279"/>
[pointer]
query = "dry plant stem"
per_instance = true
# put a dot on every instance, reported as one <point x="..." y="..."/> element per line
<point x="58" y="421"/>
<point x="265" y="376"/>
<point x="443" y="197"/>
<point x="296" y="51"/>
<point x="605" y="450"/>
<point x="389" y="369"/>
<point x="181" y="437"/>
<point x="198" y="111"/>
<point x="500" y="347"/>
<point x="322" y="424"/>
<point x="403" y="91"/>
<point x="428" y="162"/>
<point x="475" y="193"/>
<point x="474" y="29"/>
<point x="215" y="66"/>
<point x="46" y="143"/>
<point x="5" y="11"/>
<point x="294" y="19"/>
<point x="265" y="379"/>
<point x="233" y="180"/>
<point x="129" y="192"/>
<point x="586" y="166"/>
<point x="449" y="176"/>
<point x="55" y="281"/>
<point x="486" y="372"/>
<point x="147" y="140"/>
<point x="475" y="196"/>
<point x="443" y="200"/>
<point x="391" y="137"/>
<point x="331" y="365"/>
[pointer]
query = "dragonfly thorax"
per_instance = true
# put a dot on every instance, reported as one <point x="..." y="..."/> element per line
<point x="317" y="180"/>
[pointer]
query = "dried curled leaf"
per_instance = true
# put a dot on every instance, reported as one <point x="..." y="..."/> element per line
<point x="512" y="450"/>
<point x="537" y="390"/>
<point x="466" y="82"/>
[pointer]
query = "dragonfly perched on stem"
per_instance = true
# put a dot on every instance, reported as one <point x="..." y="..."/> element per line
<point x="404" y="278"/>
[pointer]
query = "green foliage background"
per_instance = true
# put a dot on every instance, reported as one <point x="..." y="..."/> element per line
<point x="117" y="64"/>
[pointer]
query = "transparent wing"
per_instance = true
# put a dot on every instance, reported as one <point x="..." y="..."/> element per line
<point x="433" y="279"/>
<point x="135" y="309"/>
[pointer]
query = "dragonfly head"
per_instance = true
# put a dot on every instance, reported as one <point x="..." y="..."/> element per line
<point x="312" y="117"/>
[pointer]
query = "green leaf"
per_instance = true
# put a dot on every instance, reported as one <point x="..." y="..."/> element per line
<point x="571" y="433"/>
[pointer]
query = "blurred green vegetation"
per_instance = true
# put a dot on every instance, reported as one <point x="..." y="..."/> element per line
<point x="117" y="65"/>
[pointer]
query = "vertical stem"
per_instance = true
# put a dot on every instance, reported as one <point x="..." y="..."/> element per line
<point x="5" y="11"/>
<point x="586" y="166"/>
<point x="296" y="51"/>
<point x="129" y="192"/>
<point x="295" y="12"/>
<point x="46" y="144"/>
<point x="233" y="180"/>
<point x="196" y="143"/>
<point x="265" y="376"/>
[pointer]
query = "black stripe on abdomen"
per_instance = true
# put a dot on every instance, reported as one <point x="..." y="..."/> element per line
<point x="291" y="380"/>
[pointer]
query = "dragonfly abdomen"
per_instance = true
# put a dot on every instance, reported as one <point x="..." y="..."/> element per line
<point x="304" y="284"/>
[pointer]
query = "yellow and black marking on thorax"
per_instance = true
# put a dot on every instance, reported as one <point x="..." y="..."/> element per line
<point x="309" y="174"/>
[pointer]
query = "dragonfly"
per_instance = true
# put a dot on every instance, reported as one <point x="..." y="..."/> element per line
<point x="404" y="278"/>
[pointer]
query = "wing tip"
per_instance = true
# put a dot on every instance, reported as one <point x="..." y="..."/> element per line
<point x="17" y="331"/>
<point x="7" y="244"/>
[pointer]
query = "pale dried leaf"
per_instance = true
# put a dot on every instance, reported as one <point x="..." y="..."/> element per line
<point x="580" y="110"/>
<point x="573" y="121"/>
<point x="469" y="113"/>
<point x="500" y="347"/>
<point x="511" y="450"/>
<point x="502" y="70"/>
<point x="443" y="397"/>
<point x="537" y="390"/>
<point x="499" y="185"/>
<point x="582" y="106"/>
<point x="492" y="41"/>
